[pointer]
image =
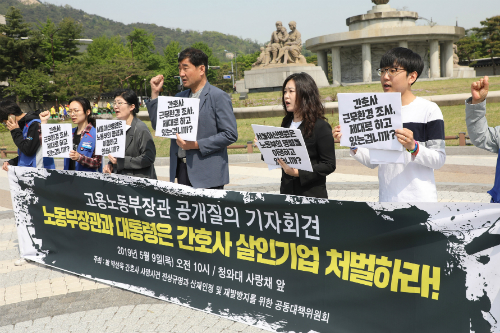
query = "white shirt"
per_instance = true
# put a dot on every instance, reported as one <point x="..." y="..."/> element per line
<point x="413" y="181"/>
<point x="295" y="124"/>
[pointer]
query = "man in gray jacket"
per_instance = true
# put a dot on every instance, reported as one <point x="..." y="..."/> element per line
<point x="481" y="135"/>
<point x="202" y="163"/>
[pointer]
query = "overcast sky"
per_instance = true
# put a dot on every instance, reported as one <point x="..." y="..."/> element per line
<point x="255" y="19"/>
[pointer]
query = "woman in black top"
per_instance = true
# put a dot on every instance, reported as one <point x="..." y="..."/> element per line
<point x="304" y="111"/>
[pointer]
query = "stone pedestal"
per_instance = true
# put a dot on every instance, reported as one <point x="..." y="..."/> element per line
<point x="240" y="86"/>
<point x="463" y="72"/>
<point x="272" y="78"/>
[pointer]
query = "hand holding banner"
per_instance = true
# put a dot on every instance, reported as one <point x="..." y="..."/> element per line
<point x="369" y="120"/>
<point x="285" y="143"/>
<point x="177" y="115"/>
<point x="57" y="140"/>
<point x="110" y="138"/>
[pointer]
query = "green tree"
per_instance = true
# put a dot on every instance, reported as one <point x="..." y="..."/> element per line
<point x="212" y="60"/>
<point x="126" y="68"/>
<point x="18" y="46"/>
<point x="244" y="63"/>
<point x="171" y="68"/>
<point x="69" y="32"/>
<point x="77" y="78"/>
<point x="85" y="78"/>
<point x="32" y="84"/>
<point x="468" y="47"/>
<point x="104" y="49"/>
<point x="490" y="34"/>
<point x="51" y="44"/>
<point x="142" y="48"/>
<point x="141" y="44"/>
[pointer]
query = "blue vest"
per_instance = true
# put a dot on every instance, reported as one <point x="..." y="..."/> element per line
<point x="30" y="161"/>
<point x="86" y="147"/>
<point x="495" y="191"/>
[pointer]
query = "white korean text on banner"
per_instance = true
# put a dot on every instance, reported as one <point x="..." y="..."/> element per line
<point x="279" y="262"/>
<point x="177" y="115"/>
<point x="369" y="120"/>
<point x="282" y="143"/>
<point x="110" y="138"/>
<point x="57" y="140"/>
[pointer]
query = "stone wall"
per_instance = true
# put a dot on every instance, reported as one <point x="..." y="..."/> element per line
<point x="351" y="62"/>
<point x="423" y="50"/>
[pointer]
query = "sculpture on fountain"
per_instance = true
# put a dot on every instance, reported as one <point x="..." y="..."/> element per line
<point x="284" y="48"/>
<point x="279" y="58"/>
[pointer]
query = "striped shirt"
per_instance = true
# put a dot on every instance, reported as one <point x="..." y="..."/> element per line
<point x="413" y="181"/>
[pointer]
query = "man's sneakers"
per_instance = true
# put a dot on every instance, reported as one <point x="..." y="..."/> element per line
<point x="20" y="262"/>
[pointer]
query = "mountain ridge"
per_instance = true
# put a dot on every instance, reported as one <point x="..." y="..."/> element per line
<point x="96" y="26"/>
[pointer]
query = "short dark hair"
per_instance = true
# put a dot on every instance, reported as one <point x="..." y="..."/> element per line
<point x="7" y="107"/>
<point x="130" y="97"/>
<point x="196" y="57"/>
<point x="86" y="106"/>
<point x="405" y="58"/>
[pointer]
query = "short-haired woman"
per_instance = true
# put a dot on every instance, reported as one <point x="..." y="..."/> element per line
<point x="140" y="150"/>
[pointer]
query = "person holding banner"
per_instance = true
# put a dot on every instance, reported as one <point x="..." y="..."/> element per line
<point x="481" y="135"/>
<point x="422" y="134"/>
<point x="82" y="157"/>
<point x="140" y="150"/>
<point x="26" y="133"/>
<point x="202" y="163"/>
<point x="304" y="110"/>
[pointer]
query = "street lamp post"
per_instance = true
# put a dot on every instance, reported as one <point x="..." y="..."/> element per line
<point x="232" y="71"/>
<point x="145" y="92"/>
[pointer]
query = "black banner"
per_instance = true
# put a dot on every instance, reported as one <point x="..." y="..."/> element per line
<point x="279" y="262"/>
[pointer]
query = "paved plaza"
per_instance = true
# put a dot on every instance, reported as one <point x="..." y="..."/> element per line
<point x="35" y="298"/>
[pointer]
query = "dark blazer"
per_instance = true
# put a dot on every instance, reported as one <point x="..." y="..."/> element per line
<point x="140" y="152"/>
<point x="208" y="166"/>
<point x="321" y="148"/>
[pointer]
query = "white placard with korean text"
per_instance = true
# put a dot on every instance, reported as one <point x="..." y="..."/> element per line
<point x="110" y="138"/>
<point x="285" y="143"/>
<point x="369" y="120"/>
<point x="177" y="115"/>
<point x="57" y="140"/>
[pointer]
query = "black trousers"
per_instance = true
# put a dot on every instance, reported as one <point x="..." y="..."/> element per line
<point x="183" y="178"/>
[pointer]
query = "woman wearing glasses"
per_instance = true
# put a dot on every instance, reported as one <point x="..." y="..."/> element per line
<point x="82" y="157"/>
<point x="140" y="150"/>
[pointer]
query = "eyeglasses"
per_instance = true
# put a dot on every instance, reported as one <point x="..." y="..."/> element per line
<point x="118" y="104"/>
<point x="391" y="71"/>
<point x="73" y="111"/>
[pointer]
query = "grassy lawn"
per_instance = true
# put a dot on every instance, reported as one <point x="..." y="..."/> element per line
<point x="420" y="88"/>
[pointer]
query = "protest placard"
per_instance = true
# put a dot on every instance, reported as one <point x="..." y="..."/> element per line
<point x="177" y="115"/>
<point x="110" y="138"/>
<point x="57" y="140"/>
<point x="285" y="143"/>
<point x="369" y="120"/>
